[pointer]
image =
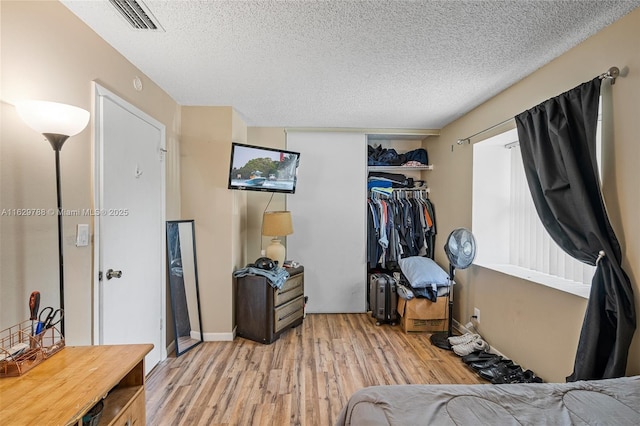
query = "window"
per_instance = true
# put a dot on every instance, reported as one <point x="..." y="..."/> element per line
<point x="510" y="236"/>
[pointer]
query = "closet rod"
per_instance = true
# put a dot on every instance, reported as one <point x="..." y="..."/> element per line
<point x="400" y="190"/>
<point x="411" y="189"/>
<point x="611" y="74"/>
<point x="403" y="190"/>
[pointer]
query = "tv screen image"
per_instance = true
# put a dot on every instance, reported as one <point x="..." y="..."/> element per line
<point x="257" y="168"/>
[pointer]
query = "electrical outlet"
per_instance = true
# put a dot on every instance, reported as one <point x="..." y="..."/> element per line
<point x="476" y="313"/>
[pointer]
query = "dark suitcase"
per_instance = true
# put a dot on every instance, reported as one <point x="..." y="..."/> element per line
<point x="383" y="298"/>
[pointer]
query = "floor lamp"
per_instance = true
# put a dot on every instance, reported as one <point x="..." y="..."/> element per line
<point x="276" y="224"/>
<point x="56" y="122"/>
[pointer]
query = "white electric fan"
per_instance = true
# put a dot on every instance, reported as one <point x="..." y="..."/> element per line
<point x="461" y="250"/>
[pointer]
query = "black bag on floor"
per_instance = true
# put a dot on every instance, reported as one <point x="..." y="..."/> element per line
<point x="383" y="298"/>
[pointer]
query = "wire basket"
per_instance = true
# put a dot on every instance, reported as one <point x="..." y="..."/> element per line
<point x="21" y="349"/>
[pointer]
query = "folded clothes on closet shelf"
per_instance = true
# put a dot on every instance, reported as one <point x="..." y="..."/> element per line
<point x="379" y="183"/>
<point x="379" y="156"/>
<point x="397" y="180"/>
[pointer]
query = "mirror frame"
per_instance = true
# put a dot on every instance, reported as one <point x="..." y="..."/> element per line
<point x="169" y="225"/>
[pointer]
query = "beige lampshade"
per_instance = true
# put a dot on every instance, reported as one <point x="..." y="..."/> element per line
<point x="277" y="224"/>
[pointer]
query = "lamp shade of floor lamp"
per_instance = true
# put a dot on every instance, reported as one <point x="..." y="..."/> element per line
<point x="56" y="122"/>
<point x="276" y="224"/>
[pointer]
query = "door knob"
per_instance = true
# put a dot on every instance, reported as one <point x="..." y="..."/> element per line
<point x="113" y="274"/>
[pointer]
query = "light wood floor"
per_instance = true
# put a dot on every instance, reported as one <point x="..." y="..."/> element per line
<point x="304" y="378"/>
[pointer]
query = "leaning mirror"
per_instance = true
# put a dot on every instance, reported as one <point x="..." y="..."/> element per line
<point x="183" y="284"/>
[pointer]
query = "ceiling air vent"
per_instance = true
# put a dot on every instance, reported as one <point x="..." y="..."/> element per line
<point x="137" y="14"/>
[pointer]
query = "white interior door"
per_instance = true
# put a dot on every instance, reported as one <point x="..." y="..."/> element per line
<point x="130" y="225"/>
<point x="329" y="213"/>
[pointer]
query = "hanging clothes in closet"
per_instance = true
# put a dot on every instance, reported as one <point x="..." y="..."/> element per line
<point x="400" y="223"/>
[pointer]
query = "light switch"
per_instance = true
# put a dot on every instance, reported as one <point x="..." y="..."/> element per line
<point x="82" y="235"/>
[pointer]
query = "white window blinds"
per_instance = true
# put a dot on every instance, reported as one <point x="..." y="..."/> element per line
<point x="531" y="247"/>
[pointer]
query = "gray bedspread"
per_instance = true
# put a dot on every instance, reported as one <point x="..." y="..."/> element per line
<point x="601" y="402"/>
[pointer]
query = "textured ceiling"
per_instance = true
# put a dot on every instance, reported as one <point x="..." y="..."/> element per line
<point x="364" y="64"/>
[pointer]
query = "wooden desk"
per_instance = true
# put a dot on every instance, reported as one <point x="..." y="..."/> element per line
<point x="66" y="386"/>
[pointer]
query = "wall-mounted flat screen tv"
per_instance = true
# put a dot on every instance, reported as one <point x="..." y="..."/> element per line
<point x="256" y="168"/>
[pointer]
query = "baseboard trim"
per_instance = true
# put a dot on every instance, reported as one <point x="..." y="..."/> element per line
<point x="220" y="337"/>
<point x="171" y="347"/>
<point x="460" y="328"/>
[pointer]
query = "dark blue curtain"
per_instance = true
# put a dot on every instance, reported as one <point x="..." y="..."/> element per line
<point x="558" y="146"/>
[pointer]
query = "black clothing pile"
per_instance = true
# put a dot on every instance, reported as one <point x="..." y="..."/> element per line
<point x="379" y="156"/>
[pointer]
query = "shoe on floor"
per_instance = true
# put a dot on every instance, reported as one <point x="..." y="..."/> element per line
<point x="469" y="347"/>
<point x="529" y="376"/>
<point x="478" y="356"/>
<point x="502" y="373"/>
<point x="465" y="338"/>
<point x="481" y="365"/>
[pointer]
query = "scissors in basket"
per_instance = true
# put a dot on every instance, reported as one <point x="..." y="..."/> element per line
<point x="48" y="318"/>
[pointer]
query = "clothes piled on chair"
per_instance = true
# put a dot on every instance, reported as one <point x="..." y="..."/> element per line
<point x="400" y="224"/>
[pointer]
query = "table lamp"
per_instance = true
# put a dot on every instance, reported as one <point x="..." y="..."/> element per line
<point x="276" y="224"/>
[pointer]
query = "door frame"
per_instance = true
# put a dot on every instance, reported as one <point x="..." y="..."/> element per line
<point x="98" y="93"/>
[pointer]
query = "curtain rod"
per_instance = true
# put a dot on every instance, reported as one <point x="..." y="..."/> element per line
<point x="468" y="138"/>
<point x="611" y="74"/>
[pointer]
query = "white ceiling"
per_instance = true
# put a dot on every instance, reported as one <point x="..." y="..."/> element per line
<point x="363" y="64"/>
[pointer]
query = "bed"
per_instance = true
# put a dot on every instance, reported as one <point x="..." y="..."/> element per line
<point x="609" y="401"/>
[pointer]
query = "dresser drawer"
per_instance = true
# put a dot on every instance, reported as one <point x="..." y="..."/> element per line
<point x="288" y="313"/>
<point x="291" y="289"/>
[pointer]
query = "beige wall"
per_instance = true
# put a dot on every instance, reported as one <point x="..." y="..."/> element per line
<point x="257" y="202"/>
<point x="219" y="214"/>
<point x="537" y="326"/>
<point x="47" y="53"/>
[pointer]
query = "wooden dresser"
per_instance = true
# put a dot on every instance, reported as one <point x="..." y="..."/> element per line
<point x="66" y="386"/>
<point x="264" y="312"/>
